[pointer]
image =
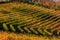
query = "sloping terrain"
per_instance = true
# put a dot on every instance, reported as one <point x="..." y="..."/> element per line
<point x="29" y="19"/>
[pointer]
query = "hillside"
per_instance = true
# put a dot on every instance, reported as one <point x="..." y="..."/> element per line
<point x="22" y="18"/>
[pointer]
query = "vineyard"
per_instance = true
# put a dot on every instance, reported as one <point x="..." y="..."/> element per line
<point x="23" y="18"/>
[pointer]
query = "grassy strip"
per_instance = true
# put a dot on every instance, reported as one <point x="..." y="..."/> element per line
<point x="13" y="36"/>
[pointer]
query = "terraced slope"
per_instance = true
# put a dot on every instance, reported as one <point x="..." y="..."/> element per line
<point x="31" y="19"/>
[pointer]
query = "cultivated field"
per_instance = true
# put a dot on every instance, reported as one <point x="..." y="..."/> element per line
<point x="29" y="19"/>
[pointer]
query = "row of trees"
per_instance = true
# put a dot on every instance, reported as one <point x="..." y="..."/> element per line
<point x="46" y="3"/>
